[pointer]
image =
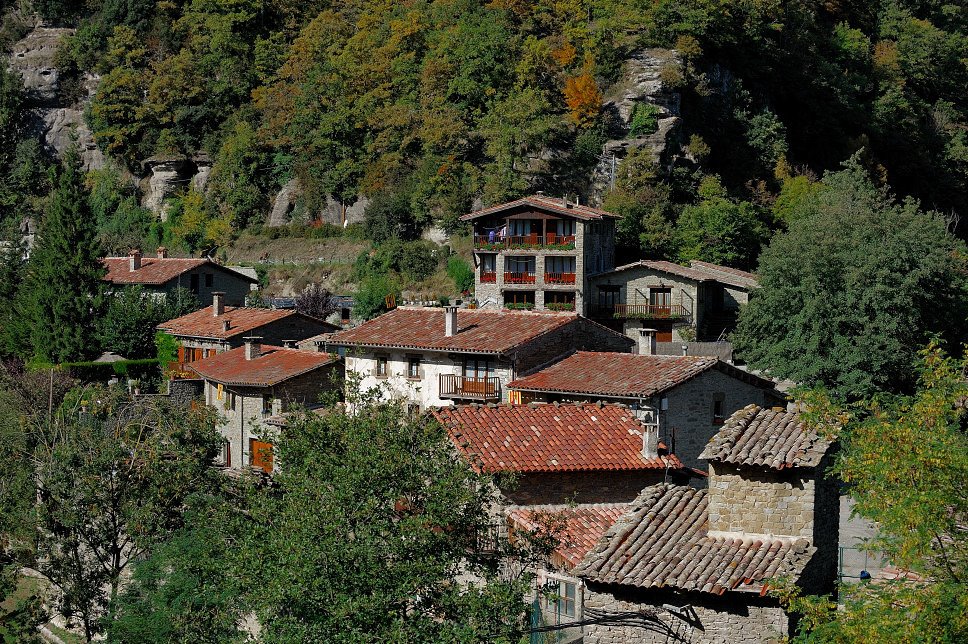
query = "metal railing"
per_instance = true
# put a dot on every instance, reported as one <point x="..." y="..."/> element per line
<point x="532" y="240"/>
<point x="559" y="278"/>
<point x="519" y="278"/>
<point x="488" y="277"/>
<point x="486" y="388"/>
<point x="645" y="311"/>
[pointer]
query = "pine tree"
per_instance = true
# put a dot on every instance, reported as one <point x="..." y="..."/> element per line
<point x="62" y="297"/>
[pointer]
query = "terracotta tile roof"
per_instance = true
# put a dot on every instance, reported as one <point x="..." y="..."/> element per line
<point x="663" y="541"/>
<point x="549" y="437"/>
<point x="624" y="375"/>
<point x="479" y="331"/>
<point x="544" y="202"/>
<point x="581" y="525"/>
<point x="726" y="274"/>
<point x="773" y="438"/>
<point x="242" y="320"/>
<point x="272" y="366"/>
<point x="155" y="271"/>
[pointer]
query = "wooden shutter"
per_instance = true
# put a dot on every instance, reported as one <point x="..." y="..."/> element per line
<point x="261" y="455"/>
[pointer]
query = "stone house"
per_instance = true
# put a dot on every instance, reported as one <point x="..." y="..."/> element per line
<point x="696" y="564"/>
<point x="687" y="397"/>
<point x="254" y="386"/>
<point x="219" y="327"/>
<point x="561" y="453"/>
<point x="162" y="274"/>
<point x="433" y="357"/>
<point x="538" y="253"/>
<point x="702" y="297"/>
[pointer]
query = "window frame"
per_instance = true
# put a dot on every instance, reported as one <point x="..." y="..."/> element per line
<point x="719" y="408"/>
<point x="413" y="368"/>
<point x="382" y="367"/>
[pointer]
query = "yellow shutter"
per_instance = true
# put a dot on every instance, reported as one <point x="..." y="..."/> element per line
<point x="219" y="394"/>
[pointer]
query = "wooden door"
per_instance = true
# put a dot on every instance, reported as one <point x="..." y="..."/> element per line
<point x="261" y="455"/>
<point x="663" y="331"/>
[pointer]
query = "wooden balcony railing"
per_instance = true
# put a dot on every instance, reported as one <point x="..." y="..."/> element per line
<point x="519" y="278"/>
<point x="533" y="240"/>
<point x="651" y="311"/>
<point x="452" y="386"/>
<point x="180" y="371"/>
<point x="559" y="278"/>
<point x="489" y="277"/>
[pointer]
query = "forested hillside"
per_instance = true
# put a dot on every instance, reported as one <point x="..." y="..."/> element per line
<point x="430" y="107"/>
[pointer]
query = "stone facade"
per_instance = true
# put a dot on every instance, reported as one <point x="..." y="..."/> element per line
<point x="293" y="327"/>
<point x="245" y="411"/>
<point x="704" y="618"/>
<point x="205" y="280"/>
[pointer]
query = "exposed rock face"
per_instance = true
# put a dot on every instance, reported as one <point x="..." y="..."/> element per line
<point x="332" y="213"/>
<point x="56" y="125"/>
<point x="284" y="204"/>
<point x="168" y="176"/>
<point x="641" y="83"/>
<point x="203" y="168"/>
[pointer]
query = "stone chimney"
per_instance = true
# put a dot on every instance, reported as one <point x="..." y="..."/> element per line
<point x="450" y="320"/>
<point x="685" y="349"/>
<point x="253" y="347"/>
<point x="162" y="252"/>
<point x="226" y="325"/>
<point x="647" y="342"/>
<point x="134" y="260"/>
<point x="218" y="303"/>
<point x="650" y="440"/>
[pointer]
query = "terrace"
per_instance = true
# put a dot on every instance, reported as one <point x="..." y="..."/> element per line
<point x="468" y="388"/>
<point x="644" y="311"/>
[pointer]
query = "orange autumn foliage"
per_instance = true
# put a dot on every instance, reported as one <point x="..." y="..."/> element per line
<point x="583" y="98"/>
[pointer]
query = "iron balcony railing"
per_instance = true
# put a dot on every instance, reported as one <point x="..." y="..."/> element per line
<point x="559" y="278"/>
<point x="486" y="388"/>
<point x="532" y="240"/>
<point x="489" y="276"/>
<point x="645" y="311"/>
<point x="526" y="277"/>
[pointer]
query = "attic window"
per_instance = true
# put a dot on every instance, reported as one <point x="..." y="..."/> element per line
<point x="719" y="416"/>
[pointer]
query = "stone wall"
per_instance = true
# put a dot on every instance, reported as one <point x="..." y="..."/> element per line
<point x="734" y="618"/>
<point x="688" y="424"/>
<point x="580" y="487"/>
<point x="581" y="335"/>
<point x="226" y="281"/>
<point x="761" y="501"/>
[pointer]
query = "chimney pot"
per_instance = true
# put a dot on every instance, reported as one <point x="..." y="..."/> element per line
<point x="647" y="342"/>
<point x="685" y="349"/>
<point x="226" y="325"/>
<point x="253" y="347"/>
<point x="218" y="303"/>
<point x="162" y="252"/>
<point x="134" y="260"/>
<point x="450" y="320"/>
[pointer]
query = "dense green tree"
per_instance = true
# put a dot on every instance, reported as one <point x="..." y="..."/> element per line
<point x="62" y="294"/>
<point x="904" y="460"/>
<point x="719" y="230"/>
<point x="131" y="315"/>
<point x="853" y="289"/>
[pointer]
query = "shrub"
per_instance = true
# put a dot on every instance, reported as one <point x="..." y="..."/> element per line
<point x="645" y="120"/>
<point x="103" y="371"/>
<point x="418" y="259"/>
<point x="461" y="272"/>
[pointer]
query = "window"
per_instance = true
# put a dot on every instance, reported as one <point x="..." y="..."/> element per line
<point x="266" y="405"/>
<point x="562" y="227"/>
<point x="381" y="367"/>
<point x="229" y="401"/>
<point x="488" y="268"/>
<point x="519" y="299"/>
<point x="719" y="416"/>
<point x="561" y="597"/>
<point x="660" y="296"/>
<point x="194" y="284"/>
<point x="559" y="264"/>
<point x="520" y="227"/>
<point x="608" y="297"/>
<point x="209" y="278"/>
<point x="413" y="368"/>
<point x="519" y="270"/>
<point x="260" y="455"/>
<point x="478" y="368"/>
<point x="226" y="454"/>
<point x="560" y="300"/>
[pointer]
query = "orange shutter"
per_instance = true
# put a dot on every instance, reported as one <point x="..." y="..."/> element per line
<point x="181" y="354"/>
<point x="261" y="455"/>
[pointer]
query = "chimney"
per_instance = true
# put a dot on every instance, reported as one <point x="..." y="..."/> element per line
<point x="226" y="325"/>
<point x="253" y="347"/>
<point x="450" y="320"/>
<point x="162" y="252"/>
<point x="650" y="440"/>
<point x="134" y="260"/>
<point x="647" y="342"/>
<point x="564" y="201"/>
<point x="685" y="349"/>
<point x="218" y="303"/>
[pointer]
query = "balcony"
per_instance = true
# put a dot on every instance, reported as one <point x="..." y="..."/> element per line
<point x="452" y="386"/>
<point x="559" y="278"/>
<point x="550" y="241"/>
<point x="489" y="277"/>
<point x="519" y="278"/>
<point x="645" y="311"/>
<point x="180" y="371"/>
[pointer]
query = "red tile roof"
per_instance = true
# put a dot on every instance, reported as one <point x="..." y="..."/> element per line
<point x="156" y="271"/>
<point x="272" y="366"/>
<point x="665" y="267"/>
<point x="242" y="320"/>
<point x="549" y="437"/>
<point x="727" y="274"/>
<point x="543" y="202"/>
<point x="664" y="541"/>
<point x="773" y="438"/>
<point x="479" y="331"/>
<point x="581" y="525"/>
<point x="624" y="375"/>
